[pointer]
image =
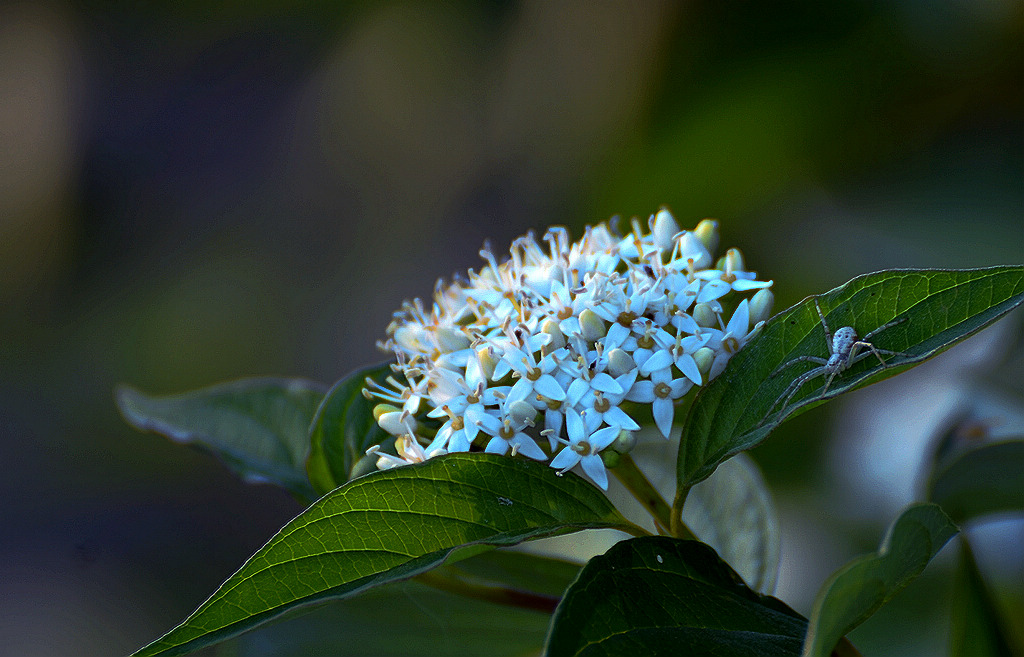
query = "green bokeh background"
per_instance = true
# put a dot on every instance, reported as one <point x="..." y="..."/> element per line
<point x="192" y="194"/>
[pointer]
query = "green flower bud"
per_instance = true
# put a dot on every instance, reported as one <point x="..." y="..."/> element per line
<point x="704" y="356"/>
<point x="611" y="458"/>
<point x="381" y="409"/>
<point x="557" y="340"/>
<point x="620" y="362"/>
<point x="487" y="361"/>
<point x="707" y="232"/>
<point x="592" y="326"/>
<point x="705" y="316"/>
<point x="761" y="305"/>
<point x="625" y="442"/>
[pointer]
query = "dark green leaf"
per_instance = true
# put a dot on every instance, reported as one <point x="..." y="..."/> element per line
<point x="409" y="619"/>
<point x="664" y="596"/>
<point x="984" y="480"/>
<point x="733" y="512"/>
<point x="859" y="588"/>
<point x="392" y="525"/>
<point x="404" y="619"/>
<point x="977" y="627"/>
<point x="342" y="429"/>
<point x="258" y="427"/>
<point x="519" y="571"/>
<point x="938" y="308"/>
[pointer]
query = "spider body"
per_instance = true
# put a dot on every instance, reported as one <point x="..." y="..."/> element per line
<point x="845" y="348"/>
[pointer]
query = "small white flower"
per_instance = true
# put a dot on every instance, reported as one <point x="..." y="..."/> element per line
<point x="567" y="330"/>
<point x="661" y="392"/>
<point x="584" y="448"/>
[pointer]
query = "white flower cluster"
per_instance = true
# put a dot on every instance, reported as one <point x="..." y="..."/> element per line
<point x="552" y="342"/>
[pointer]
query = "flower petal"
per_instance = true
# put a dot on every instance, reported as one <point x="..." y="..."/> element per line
<point x="663" y="413"/>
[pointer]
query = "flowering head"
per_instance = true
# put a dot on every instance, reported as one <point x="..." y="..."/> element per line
<point x="561" y="340"/>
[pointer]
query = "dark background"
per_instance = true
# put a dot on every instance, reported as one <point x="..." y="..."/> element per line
<point x="192" y="194"/>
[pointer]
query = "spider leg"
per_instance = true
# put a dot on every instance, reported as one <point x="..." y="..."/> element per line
<point x="898" y="320"/>
<point x="798" y="359"/>
<point x="793" y="388"/>
<point x="860" y="344"/>
<point x="828" y="381"/>
<point x="824" y="325"/>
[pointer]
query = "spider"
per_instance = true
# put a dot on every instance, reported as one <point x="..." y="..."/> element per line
<point x="844" y="349"/>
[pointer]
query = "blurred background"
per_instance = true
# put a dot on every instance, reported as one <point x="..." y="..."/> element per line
<point x="190" y="194"/>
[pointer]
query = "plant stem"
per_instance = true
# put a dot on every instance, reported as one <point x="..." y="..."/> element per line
<point x="637" y="483"/>
<point x="677" y="526"/>
<point x="490" y="593"/>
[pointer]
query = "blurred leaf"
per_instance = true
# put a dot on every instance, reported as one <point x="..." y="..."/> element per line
<point x="733" y="512"/>
<point x="977" y="628"/>
<point x="521" y="571"/>
<point x="403" y="618"/>
<point x="388" y="526"/>
<point x="858" y="589"/>
<point x="940" y="307"/>
<point x="664" y="596"/>
<point x="343" y="429"/>
<point x="258" y="427"/>
<point x="984" y="480"/>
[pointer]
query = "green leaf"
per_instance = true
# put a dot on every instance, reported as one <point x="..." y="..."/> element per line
<point x="984" y="480"/>
<point x="409" y="619"/>
<point x="519" y="571"/>
<point x="733" y="512"/>
<point x="392" y="525"/>
<point x="258" y="427"/>
<point x="937" y="309"/>
<point x="342" y="429"/>
<point x="977" y="627"/>
<point x="858" y="589"/>
<point x="664" y="596"/>
<point x="402" y="619"/>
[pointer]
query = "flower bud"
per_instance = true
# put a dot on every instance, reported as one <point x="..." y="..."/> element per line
<point x="392" y="423"/>
<point x="664" y="229"/>
<point x="487" y="361"/>
<point x="592" y="326"/>
<point x="625" y="442"/>
<point x="704" y="315"/>
<point x="610" y="458"/>
<point x="381" y="409"/>
<point x="707" y="232"/>
<point x="733" y="261"/>
<point x="557" y="340"/>
<point x="761" y="305"/>
<point x="620" y="362"/>
<point x="410" y="337"/>
<point x="704" y="357"/>
<point x="693" y="251"/>
<point x="450" y="339"/>
<point x="522" y="413"/>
